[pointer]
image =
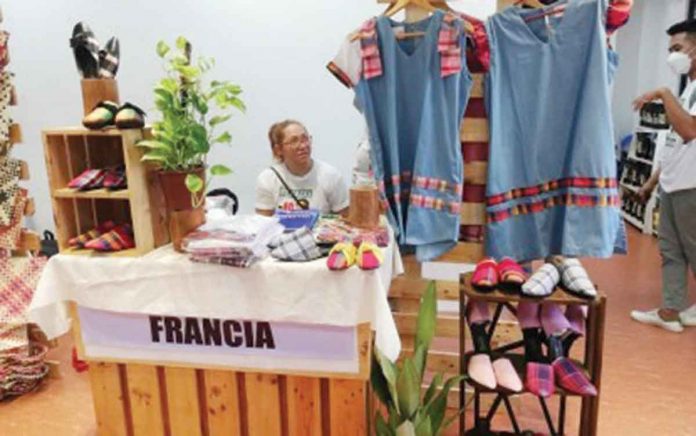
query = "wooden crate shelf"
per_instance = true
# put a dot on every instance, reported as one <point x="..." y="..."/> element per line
<point x="84" y="252"/>
<point x="69" y="152"/>
<point x="104" y="194"/>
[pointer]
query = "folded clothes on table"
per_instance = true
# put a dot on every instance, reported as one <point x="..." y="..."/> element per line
<point x="234" y="240"/>
<point x="330" y="230"/>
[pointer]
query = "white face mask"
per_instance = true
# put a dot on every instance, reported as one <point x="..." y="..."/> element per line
<point x="679" y="62"/>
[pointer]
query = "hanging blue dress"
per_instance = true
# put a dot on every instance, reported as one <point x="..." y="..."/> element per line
<point x="552" y="185"/>
<point x="413" y="104"/>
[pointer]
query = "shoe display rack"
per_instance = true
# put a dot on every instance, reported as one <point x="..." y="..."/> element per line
<point x="69" y="152"/>
<point x="514" y="351"/>
<point x="638" y="167"/>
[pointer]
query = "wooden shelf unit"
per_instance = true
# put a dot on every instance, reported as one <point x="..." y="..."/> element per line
<point x="591" y="362"/>
<point x="72" y="150"/>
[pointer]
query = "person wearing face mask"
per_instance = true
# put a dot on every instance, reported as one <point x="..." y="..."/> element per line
<point x="296" y="180"/>
<point x="676" y="175"/>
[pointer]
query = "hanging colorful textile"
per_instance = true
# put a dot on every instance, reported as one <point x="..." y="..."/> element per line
<point x="552" y="175"/>
<point x="412" y="93"/>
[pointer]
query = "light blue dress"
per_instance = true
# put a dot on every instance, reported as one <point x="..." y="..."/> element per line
<point x="552" y="185"/>
<point x="413" y="115"/>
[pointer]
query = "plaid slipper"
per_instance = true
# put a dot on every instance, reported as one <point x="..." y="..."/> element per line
<point x="109" y="58"/>
<point x="81" y="240"/>
<point x="542" y="283"/>
<point x="540" y="379"/>
<point x="130" y="116"/>
<point x="88" y="179"/>
<point x="102" y="115"/>
<point x="571" y="378"/>
<point x="120" y="238"/>
<point x="485" y="276"/>
<point x="115" y="178"/>
<point x="298" y="246"/>
<point x="574" y="277"/>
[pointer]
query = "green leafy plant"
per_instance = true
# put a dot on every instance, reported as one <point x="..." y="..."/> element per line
<point x="398" y="387"/>
<point x="193" y="111"/>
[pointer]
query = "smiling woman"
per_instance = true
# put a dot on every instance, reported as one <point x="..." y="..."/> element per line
<point x="296" y="180"/>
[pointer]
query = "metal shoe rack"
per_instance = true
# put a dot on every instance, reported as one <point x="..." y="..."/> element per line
<point x="514" y="350"/>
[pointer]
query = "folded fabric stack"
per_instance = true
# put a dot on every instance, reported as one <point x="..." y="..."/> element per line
<point x="331" y="230"/>
<point x="238" y="241"/>
<point x="22" y="364"/>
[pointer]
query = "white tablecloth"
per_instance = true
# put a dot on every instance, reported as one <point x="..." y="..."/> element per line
<point x="164" y="282"/>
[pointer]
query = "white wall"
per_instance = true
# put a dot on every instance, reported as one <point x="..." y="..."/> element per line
<point x="275" y="49"/>
<point x="642" y="47"/>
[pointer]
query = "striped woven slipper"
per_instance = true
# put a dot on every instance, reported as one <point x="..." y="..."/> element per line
<point x="81" y="240"/>
<point x="120" y="238"/>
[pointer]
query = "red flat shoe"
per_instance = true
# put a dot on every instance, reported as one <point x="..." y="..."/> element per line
<point x="485" y="276"/>
<point x="115" y="178"/>
<point x="88" y="179"/>
<point x="511" y="273"/>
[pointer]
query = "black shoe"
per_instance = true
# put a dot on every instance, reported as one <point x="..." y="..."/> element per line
<point x="479" y="337"/>
<point x="532" y="345"/>
<point x="554" y="345"/>
<point x="109" y="59"/>
<point x="86" y="50"/>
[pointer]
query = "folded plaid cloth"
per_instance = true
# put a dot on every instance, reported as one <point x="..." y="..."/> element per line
<point x="543" y="282"/>
<point x="298" y="246"/>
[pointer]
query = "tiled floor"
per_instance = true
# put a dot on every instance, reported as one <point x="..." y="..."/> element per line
<point x="648" y="387"/>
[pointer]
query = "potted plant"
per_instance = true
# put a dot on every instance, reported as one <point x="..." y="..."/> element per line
<point x="193" y="111"/>
<point x="398" y="387"/>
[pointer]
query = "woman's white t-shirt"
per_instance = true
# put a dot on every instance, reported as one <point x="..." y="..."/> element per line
<point x="323" y="186"/>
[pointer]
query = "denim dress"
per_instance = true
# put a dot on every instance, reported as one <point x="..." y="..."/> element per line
<point x="413" y="108"/>
<point x="552" y="185"/>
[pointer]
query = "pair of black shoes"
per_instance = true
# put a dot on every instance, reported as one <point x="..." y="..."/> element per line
<point x="93" y="61"/>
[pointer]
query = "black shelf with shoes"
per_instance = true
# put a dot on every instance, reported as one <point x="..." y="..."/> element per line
<point x="529" y="349"/>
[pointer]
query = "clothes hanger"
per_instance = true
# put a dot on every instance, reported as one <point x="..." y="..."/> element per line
<point x="534" y="4"/>
<point x="425" y="5"/>
<point x="401" y="4"/>
<point x="537" y="4"/>
<point x="555" y="10"/>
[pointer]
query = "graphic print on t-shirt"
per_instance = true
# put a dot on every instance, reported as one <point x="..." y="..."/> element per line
<point x="287" y="203"/>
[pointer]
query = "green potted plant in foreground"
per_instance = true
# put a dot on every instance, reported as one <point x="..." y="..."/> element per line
<point x="398" y="387"/>
<point x="193" y="112"/>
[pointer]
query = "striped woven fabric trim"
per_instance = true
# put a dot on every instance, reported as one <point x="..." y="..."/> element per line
<point x="339" y="74"/>
<point x="439" y="185"/>
<point x="576" y="200"/>
<point x="569" y="182"/>
<point x="438" y="204"/>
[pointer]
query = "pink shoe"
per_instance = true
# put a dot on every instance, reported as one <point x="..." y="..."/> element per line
<point x="481" y="372"/>
<point x="506" y="376"/>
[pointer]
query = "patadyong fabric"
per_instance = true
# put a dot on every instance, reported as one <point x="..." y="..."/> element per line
<point x="413" y="93"/>
<point x="552" y="185"/>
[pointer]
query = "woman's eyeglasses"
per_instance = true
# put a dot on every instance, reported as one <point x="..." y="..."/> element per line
<point x="296" y="141"/>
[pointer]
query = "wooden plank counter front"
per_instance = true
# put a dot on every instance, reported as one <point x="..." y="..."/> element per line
<point x="149" y="398"/>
